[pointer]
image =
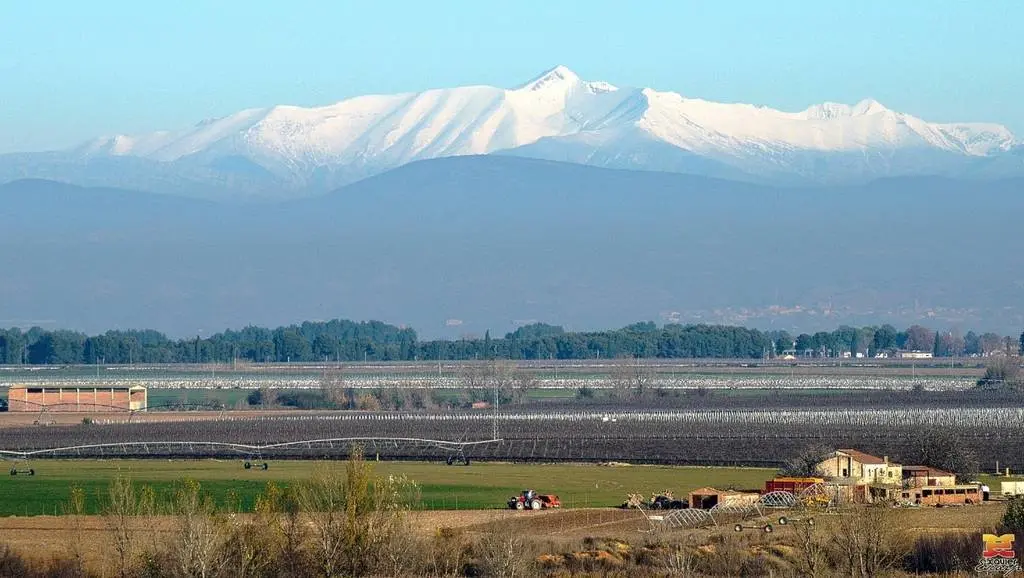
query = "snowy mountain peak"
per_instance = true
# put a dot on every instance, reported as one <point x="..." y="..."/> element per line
<point x="868" y="106"/>
<point x="559" y="75"/>
<point x="834" y="110"/>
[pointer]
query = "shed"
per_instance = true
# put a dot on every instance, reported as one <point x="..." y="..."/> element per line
<point x="707" y="497"/>
<point x="96" y="398"/>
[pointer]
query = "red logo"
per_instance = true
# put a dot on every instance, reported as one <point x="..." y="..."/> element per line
<point x="998" y="546"/>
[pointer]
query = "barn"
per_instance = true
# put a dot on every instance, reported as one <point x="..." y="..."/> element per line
<point x="91" y="399"/>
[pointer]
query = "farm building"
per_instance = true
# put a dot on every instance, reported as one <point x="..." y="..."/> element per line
<point x="1012" y="489"/>
<point x="944" y="495"/>
<point x="707" y="498"/>
<point x="790" y="484"/>
<point x="914" y="354"/>
<point x="77" y="399"/>
<point x="921" y="476"/>
<point x="861" y="468"/>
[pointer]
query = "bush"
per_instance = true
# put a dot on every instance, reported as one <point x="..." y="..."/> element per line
<point x="1001" y="372"/>
<point x="944" y="553"/>
<point x="11" y="563"/>
<point x="1013" y="522"/>
<point x="304" y="399"/>
<point x="585" y="392"/>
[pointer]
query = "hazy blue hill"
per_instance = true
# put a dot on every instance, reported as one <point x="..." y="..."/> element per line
<point x="496" y="239"/>
<point x="37" y="207"/>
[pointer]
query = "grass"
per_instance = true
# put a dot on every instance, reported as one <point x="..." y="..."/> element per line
<point x="481" y="485"/>
<point x="228" y="397"/>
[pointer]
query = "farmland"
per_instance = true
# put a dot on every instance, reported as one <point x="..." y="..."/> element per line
<point x="668" y="412"/>
<point x="481" y="486"/>
<point x="709" y="436"/>
<point x="670" y="374"/>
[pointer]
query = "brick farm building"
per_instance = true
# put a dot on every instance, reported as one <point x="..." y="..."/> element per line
<point x="88" y="399"/>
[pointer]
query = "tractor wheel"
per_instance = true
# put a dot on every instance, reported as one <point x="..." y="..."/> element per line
<point x="465" y="461"/>
<point x="783" y="521"/>
<point x="247" y="465"/>
<point x="810" y="522"/>
<point x="31" y="472"/>
<point x="14" y="471"/>
<point x="520" y="505"/>
<point x="738" y="527"/>
<point x="265" y="466"/>
<point x="536" y="504"/>
<point x="768" y="529"/>
<point x="451" y="460"/>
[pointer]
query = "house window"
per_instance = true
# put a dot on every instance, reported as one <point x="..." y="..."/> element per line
<point x="844" y="473"/>
<point x="890" y="474"/>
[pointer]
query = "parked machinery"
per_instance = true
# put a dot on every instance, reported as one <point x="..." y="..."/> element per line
<point x="531" y="500"/>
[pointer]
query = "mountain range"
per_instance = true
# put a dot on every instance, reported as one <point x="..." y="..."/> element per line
<point x="287" y="152"/>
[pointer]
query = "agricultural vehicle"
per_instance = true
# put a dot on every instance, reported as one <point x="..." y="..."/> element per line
<point x="531" y="500"/>
<point x="452" y="460"/>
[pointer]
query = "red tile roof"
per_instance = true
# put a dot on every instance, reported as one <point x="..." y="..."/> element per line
<point x="863" y="457"/>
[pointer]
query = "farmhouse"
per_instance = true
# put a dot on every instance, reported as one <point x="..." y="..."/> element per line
<point x="914" y="354"/>
<point x="860" y="468"/>
<point x="77" y="398"/>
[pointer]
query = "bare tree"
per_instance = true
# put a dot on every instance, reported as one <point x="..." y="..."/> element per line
<point x="523" y="382"/>
<point x="868" y="542"/>
<point x="198" y="538"/>
<point x="920" y="338"/>
<point x="355" y="519"/>
<point x="942" y="448"/>
<point x="501" y="553"/>
<point x="805" y="464"/>
<point x="124" y="505"/>
<point x="333" y="388"/>
<point x="813" y="545"/>
<point x="642" y="376"/>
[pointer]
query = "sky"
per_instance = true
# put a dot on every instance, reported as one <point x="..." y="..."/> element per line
<point x="70" y="71"/>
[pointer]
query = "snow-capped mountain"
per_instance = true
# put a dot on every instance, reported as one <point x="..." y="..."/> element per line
<point x="293" y="151"/>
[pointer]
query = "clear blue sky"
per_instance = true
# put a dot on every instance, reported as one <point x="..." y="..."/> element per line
<point x="73" y="70"/>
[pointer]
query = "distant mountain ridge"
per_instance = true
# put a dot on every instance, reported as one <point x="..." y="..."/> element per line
<point x="486" y="240"/>
<point x="290" y="151"/>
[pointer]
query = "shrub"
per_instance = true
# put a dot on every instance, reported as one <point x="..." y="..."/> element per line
<point x="1013" y="522"/>
<point x="942" y="553"/>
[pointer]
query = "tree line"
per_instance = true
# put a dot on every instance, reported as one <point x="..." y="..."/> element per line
<point x="344" y="340"/>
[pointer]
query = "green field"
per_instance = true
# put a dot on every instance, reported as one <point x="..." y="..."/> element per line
<point x="481" y="485"/>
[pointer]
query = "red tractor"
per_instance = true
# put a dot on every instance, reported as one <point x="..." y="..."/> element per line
<point x="531" y="500"/>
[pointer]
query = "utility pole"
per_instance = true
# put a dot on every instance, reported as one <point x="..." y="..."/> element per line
<point x="494" y="428"/>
